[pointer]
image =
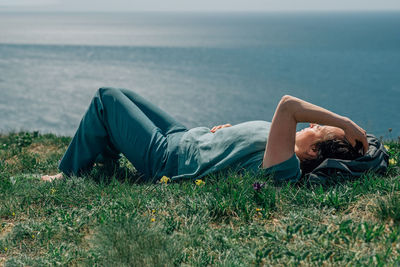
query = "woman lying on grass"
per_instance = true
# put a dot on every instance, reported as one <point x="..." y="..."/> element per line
<point x="120" y="121"/>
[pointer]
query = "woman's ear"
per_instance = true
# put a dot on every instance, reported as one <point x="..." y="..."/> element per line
<point x="312" y="151"/>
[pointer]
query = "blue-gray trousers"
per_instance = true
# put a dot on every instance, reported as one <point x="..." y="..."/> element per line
<point x="121" y="121"/>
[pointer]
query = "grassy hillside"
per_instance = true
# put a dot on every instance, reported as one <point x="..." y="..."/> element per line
<point x="107" y="219"/>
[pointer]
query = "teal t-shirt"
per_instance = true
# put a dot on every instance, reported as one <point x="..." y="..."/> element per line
<point x="239" y="147"/>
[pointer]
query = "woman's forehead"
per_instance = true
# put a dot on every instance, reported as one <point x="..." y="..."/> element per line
<point x="335" y="131"/>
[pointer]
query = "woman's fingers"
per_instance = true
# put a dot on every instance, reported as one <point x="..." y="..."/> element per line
<point x="215" y="128"/>
<point x="354" y="133"/>
<point x="365" y="143"/>
<point x="363" y="139"/>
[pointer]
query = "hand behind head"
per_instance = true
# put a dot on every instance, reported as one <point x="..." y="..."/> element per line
<point x="360" y="147"/>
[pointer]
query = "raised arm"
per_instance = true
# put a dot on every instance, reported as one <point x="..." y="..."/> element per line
<point x="292" y="110"/>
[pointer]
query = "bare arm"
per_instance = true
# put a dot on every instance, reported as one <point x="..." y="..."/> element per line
<point x="292" y="110"/>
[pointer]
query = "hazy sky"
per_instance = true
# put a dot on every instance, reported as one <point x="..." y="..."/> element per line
<point x="196" y="5"/>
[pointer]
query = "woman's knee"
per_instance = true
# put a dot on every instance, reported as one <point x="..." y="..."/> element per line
<point x="105" y="97"/>
<point x="110" y="95"/>
<point x="107" y="91"/>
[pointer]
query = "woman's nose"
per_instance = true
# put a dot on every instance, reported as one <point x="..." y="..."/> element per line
<point x="312" y="125"/>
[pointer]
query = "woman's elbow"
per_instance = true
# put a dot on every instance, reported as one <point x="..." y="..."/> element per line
<point x="287" y="102"/>
<point x="287" y="98"/>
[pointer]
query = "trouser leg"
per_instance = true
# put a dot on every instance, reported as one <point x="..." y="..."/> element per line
<point x="114" y="118"/>
<point x="165" y="122"/>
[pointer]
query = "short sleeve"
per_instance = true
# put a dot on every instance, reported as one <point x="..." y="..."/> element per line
<point x="286" y="171"/>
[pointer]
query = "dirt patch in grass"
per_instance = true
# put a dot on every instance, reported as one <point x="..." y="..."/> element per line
<point x="2" y="261"/>
<point x="88" y="239"/>
<point x="363" y="209"/>
<point x="6" y="230"/>
<point x="41" y="149"/>
<point x="12" y="161"/>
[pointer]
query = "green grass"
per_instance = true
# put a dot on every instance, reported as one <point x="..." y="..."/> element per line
<point x="108" y="219"/>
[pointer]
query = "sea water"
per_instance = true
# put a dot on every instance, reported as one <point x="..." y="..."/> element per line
<point x="204" y="69"/>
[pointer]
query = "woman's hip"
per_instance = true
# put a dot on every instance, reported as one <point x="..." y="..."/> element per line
<point x="168" y="165"/>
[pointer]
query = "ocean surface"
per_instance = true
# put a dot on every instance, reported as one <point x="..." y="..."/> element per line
<point x="204" y="69"/>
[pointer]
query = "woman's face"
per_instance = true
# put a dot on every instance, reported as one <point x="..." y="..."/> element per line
<point x="307" y="138"/>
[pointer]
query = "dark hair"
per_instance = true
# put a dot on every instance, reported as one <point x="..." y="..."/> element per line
<point x="333" y="148"/>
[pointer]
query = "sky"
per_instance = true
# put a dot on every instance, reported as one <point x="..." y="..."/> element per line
<point x="198" y="5"/>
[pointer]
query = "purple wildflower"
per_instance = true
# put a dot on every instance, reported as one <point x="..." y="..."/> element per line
<point x="257" y="186"/>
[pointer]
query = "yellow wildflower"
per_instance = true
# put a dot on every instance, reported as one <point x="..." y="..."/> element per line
<point x="258" y="209"/>
<point x="153" y="211"/>
<point x="153" y="219"/>
<point x="387" y="147"/>
<point x="52" y="191"/>
<point x="165" y="180"/>
<point x="199" y="182"/>
<point x="13" y="214"/>
<point x="392" y="161"/>
<point x="33" y="236"/>
<point x="5" y="249"/>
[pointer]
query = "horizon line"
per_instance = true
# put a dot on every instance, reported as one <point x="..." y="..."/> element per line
<point x="206" y="11"/>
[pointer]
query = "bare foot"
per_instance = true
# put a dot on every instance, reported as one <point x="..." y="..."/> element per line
<point x="50" y="178"/>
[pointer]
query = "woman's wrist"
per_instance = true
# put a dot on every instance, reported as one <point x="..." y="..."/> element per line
<point x="346" y="123"/>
